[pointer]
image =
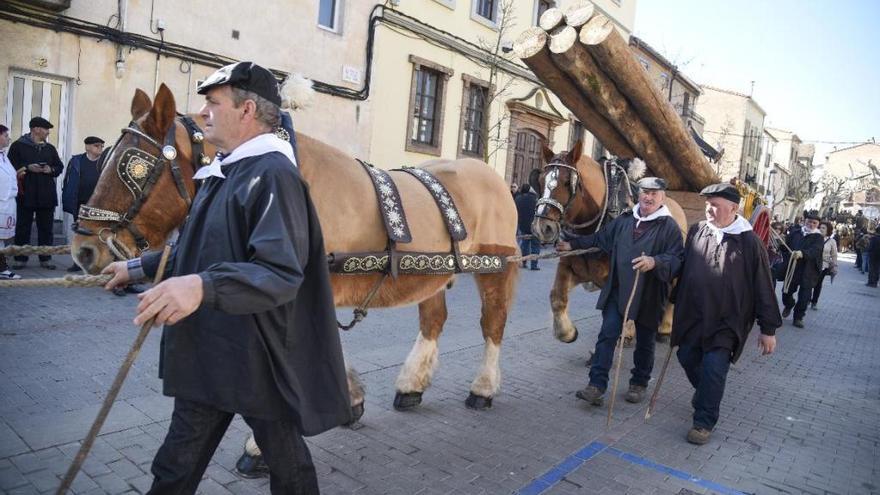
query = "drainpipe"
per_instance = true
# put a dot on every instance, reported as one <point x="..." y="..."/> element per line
<point x="122" y="13"/>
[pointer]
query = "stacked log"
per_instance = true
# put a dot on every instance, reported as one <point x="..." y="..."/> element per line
<point x="581" y="57"/>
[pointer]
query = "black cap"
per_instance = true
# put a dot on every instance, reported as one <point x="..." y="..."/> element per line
<point x="812" y="216"/>
<point x="655" y="183"/>
<point x="723" y="190"/>
<point x="40" y="122"/>
<point x="93" y="140"/>
<point x="244" y="75"/>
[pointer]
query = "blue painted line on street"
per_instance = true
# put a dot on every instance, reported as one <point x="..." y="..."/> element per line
<point x="576" y="460"/>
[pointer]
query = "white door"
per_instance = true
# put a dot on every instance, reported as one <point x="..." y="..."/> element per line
<point x="30" y="95"/>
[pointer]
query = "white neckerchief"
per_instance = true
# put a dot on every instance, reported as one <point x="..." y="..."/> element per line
<point x="259" y="145"/>
<point x="663" y="211"/>
<point x="738" y="226"/>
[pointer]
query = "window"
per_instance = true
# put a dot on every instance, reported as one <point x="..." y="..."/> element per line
<point x="577" y="133"/>
<point x="543" y="6"/>
<point x="472" y="126"/>
<point x="425" y="127"/>
<point x="664" y="81"/>
<point x="486" y="8"/>
<point x="328" y="14"/>
<point x="644" y="63"/>
<point x="685" y="105"/>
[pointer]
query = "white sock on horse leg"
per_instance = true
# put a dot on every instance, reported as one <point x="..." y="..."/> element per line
<point x="488" y="381"/>
<point x="418" y="370"/>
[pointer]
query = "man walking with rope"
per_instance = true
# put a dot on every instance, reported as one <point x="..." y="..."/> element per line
<point x="724" y="286"/>
<point x="648" y="229"/>
<point x="806" y="256"/>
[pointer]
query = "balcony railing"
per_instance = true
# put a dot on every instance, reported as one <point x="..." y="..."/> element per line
<point x="691" y="114"/>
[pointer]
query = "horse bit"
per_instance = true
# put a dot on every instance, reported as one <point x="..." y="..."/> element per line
<point x="139" y="170"/>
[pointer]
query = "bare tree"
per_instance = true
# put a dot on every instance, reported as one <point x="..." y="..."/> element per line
<point x="834" y="189"/>
<point x="721" y="144"/>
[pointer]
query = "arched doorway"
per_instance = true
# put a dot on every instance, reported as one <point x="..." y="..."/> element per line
<point x="526" y="154"/>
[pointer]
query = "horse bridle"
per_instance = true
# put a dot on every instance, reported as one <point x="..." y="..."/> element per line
<point x="573" y="186"/>
<point x="139" y="170"/>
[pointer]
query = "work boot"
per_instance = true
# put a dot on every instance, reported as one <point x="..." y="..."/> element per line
<point x="74" y="268"/>
<point x="636" y="393"/>
<point x="48" y="265"/>
<point x="785" y="312"/>
<point x="591" y="394"/>
<point x="799" y="323"/>
<point x="698" y="435"/>
<point x="813" y="306"/>
<point x="18" y="265"/>
<point x="662" y="338"/>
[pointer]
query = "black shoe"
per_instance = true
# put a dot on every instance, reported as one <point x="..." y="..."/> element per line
<point x="662" y="338"/>
<point x="18" y="265"/>
<point x="119" y="291"/>
<point x="591" y="394"/>
<point x="869" y="284"/>
<point x="523" y="264"/>
<point x="636" y="393"/>
<point x="47" y="265"/>
<point x="535" y="268"/>
<point x="74" y="268"/>
<point x="799" y="323"/>
<point x="134" y="289"/>
<point x="786" y="312"/>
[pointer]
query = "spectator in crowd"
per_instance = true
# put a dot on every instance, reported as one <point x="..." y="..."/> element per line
<point x="806" y="244"/>
<point x="829" y="261"/>
<point x="646" y="239"/>
<point x="872" y="251"/>
<point x="514" y="190"/>
<point x="80" y="180"/>
<point x="8" y="191"/>
<point x="41" y="164"/>
<point x="723" y="288"/>
<point x="525" y="210"/>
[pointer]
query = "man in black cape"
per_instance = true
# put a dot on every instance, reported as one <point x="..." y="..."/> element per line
<point x="647" y="239"/>
<point x="806" y="244"/>
<point x="250" y="323"/>
<point x="724" y="286"/>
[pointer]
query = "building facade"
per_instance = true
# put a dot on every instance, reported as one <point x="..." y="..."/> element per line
<point x="734" y="125"/>
<point x="398" y="82"/>
<point x="796" y="159"/>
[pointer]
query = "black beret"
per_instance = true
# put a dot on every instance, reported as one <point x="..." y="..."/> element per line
<point x="40" y="122"/>
<point x="244" y="75"/>
<point x="652" y="183"/>
<point x="812" y="216"/>
<point x="723" y="190"/>
<point x="93" y="140"/>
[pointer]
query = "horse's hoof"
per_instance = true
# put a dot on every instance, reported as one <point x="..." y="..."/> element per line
<point x="402" y="401"/>
<point x="572" y="339"/>
<point x="251" y="466"/>
<point x="478" y="402"/>
<point x="356" y="413"/>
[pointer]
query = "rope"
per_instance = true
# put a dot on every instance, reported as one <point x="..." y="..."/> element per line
<point x="361" y="311"/>
<point x="69" y="281"/>
<point x="546" y="256"/>
<point x="26" y="250"/>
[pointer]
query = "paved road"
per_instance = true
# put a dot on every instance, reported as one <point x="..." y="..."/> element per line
<point x="803" y="421"/>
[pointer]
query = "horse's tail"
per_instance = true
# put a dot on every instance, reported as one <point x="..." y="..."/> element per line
<point x="297" y="92"/>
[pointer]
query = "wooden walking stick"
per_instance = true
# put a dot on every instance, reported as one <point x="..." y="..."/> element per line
<point x="656" y="393"/>
<point x="629" y="324"/>
<point x="86" y="446"/>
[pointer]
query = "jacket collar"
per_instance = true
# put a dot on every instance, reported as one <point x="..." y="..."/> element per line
<point x="256" y="146"/>
<point x="663" y="211"/>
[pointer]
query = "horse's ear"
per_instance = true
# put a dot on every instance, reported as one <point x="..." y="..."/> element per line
<point x="140" y="104"/>
<point x="164" y="110"/>
<point x="548" y="154"/>
<point x="575" y="154"/>
<point x="534" y="181"/>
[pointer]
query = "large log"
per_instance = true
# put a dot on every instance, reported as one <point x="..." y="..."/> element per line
<point x="614" y="57"/>
<point x="531" y="47"/>
<point x="550" y="19"/>
<point x="600" y="90"/>
<point x="578" y="13"/>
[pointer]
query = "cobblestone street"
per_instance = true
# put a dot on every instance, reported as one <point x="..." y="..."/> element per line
<point x="802" y="421"/>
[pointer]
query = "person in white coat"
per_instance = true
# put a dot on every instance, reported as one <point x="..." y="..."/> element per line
<point x="829" y="261"/>
<point x="8" y="191"/>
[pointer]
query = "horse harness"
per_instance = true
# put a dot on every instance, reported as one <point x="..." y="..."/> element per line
<point x="616" y="196"/>
<point x="139" y="170"/>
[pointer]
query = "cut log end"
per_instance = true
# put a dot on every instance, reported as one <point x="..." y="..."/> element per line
<point x="530" y="42"/>
<point x="550" y="19"/>
<point x="596" y="30"/>
<point x="577" y="14"/>
<point x="562" y="39"/>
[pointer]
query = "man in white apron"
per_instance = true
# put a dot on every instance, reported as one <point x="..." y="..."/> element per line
<point x="8" y="191"/>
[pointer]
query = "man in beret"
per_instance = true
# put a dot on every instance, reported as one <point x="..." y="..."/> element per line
<point x="724" y="287"/>
<point x="646" y="239"/>
<point x="40" y="162"/>
<point x="250" y="326"/>
<point x="807" y="244"/>
<point x="80" y="179"/>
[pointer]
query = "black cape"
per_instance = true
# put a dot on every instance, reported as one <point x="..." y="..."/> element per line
<point x="38" y="189"/>
<point x="264" y="342"/>
<point x="807" y="269"/>
<point x="662" y="240"/>
<point x="525" y="211"/>
<point x="722" y="289"/>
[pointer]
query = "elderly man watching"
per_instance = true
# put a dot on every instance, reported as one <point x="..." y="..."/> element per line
<point x="724" y="286"/>
<point x="646" y="239"/>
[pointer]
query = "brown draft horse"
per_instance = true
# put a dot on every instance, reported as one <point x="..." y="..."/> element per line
<point x="348" y="210"/>
<point x="576" y="185"/>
